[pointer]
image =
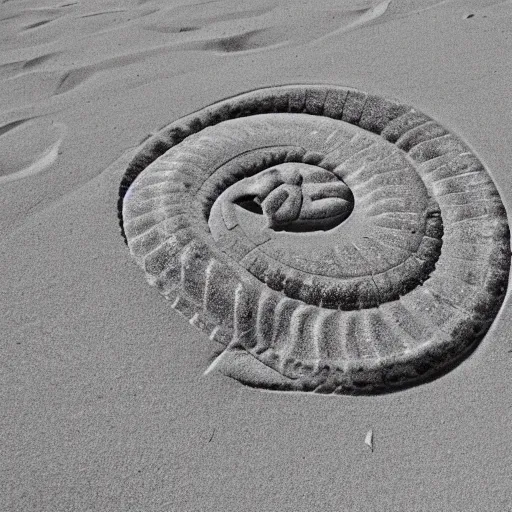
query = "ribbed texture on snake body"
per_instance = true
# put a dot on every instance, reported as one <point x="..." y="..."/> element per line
<point x="396" y="304"/>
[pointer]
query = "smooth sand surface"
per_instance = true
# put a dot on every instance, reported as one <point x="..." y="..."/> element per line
<point x="104" y="405"/>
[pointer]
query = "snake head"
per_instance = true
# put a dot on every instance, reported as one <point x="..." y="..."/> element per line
<point x="300" y="197"/>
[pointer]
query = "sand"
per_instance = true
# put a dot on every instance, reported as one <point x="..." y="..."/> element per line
<point x="104" y="405"/>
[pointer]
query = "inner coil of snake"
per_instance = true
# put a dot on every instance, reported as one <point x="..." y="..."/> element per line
<point x="329" y="239"/>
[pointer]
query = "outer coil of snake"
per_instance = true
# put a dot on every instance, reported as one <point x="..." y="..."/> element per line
<point x="333" y="241"/>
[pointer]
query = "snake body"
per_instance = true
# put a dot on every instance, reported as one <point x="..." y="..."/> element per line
<point x="331" y="240"/>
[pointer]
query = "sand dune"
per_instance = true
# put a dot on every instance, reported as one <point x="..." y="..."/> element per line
<point x="105" y="405"/>
<point x="28" y="146"/>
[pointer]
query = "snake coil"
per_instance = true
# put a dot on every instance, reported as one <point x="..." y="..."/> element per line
<point x="331" y="240"/>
